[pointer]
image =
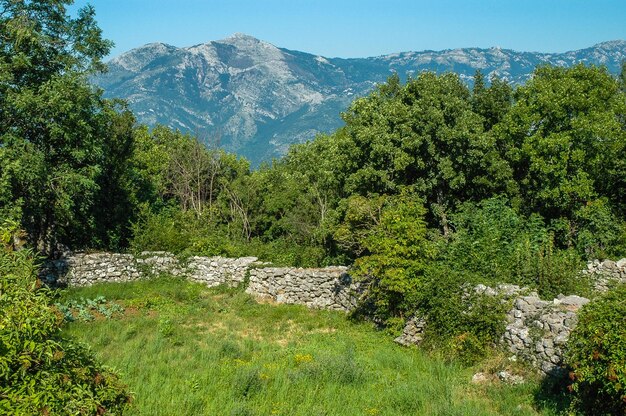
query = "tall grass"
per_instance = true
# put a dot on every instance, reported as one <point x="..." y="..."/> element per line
<point x="188" y="350"/>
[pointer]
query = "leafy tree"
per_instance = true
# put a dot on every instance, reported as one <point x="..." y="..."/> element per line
<point x="115" y="205"/>
<point x="565" y="140"/>
<point x="54" y="132"/>
<point x="52" y="122"/>
<point x="390" y="232"/>
<point x="492" y="102"/>
<point x="426" y="135"/>
<point x="40" y="40"/>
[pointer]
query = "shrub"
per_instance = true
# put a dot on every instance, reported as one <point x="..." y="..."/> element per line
<point x="183" y="233"/>
<point x="498" y="244"/>
<point x="602" y="234"/>
<point x="463" y="323"/>
<point x="597" y="355"/>
<point x="391" y="233"/>
<point x="41" y="372"/>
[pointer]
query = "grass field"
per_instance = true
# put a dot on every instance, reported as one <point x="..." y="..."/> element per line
<point x="185" y="349"/>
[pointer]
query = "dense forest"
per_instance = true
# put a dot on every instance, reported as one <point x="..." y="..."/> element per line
<point x="430" y="185"/>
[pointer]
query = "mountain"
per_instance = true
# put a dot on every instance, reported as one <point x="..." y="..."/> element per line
<point x="256" y="99"/>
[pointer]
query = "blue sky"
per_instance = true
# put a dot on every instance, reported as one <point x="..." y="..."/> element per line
<point x="351" y="28"/>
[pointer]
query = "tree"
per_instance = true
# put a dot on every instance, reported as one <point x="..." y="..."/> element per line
<point x="491" y="103"/>
<point x="389" y="232"/>
<point x="425" y="135"/>
<point x="119" y="188"/>
<point x="565" y="138"/>
<point x="53" y="124"/>
<point x="41" y="40"/>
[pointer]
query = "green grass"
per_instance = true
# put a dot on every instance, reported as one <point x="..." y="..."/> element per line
<point x="187" y="350"/>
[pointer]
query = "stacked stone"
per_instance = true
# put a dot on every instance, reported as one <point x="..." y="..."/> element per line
<point x="413" y="332"/>
<point x="214" y="271"/>
<point x="607" y="273"/>
<point x="538" y="330"/>
<point x="81" y="269"/>
<point x="506" y="291"/>
<point x="84" y="269"/>
<point x="326" y="288"/>
<point x="160" y="262"/>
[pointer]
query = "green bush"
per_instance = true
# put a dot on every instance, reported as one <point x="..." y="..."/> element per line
<point x="41" y="372"/>
<point x="493" y="241"/>
<point x="602" y="233"/>
<point x="391" y="233"/>
<point x="597" y="355"/>
<point x="181" y="232"/>
<point x="167" y="230"/>
<point x="463" y="323"/>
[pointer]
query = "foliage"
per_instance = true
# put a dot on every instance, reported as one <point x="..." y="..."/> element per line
<point x="602" y="234"/>
<point x="180" y="232"/>
<point x="40" y="371"/>
<point x="491" y="244"/>
<point x="597" y="355"/>
<point x="496" y="243"/>
<point x="461" y="323"/>
<point x="492" y="102"/>
<point x="391" y="232"/>
<point x="61" y="145"/>
<point x="565" y="140"/>
<point x="423" y="134"/>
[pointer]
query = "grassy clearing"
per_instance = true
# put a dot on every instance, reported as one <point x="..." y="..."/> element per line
<point x="188" y="350"/>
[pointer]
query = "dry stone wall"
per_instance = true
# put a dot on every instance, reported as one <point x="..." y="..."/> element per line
<point x="607" y="273"/>
<point x="214" y="271"/>
<point x="327" y="288"/>
<point x="537" y="330"/>
<point x="85" y="269"/>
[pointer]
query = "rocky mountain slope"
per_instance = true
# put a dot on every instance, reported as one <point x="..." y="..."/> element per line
<point x="256" y="99"/>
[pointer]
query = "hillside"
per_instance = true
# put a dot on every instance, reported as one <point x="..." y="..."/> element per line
<point x="256" y="99"/>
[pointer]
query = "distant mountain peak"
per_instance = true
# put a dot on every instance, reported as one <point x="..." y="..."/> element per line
<point x="240" y="36"/>
<point x="260" y="98"/>
<point x="242" y="39"/>
<point x="610" y="44"/>
<point x="135" y="59"/>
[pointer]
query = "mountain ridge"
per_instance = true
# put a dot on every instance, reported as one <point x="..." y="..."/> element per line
<point x="256" y="99"/>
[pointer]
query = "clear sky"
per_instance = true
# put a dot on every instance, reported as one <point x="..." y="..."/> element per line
<point x="360" y="28"/>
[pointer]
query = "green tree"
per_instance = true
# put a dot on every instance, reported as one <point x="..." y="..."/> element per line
<point x="115" y="206"/>
<point x="390" y="234"/>
<point x="566" y="141"/>
<point x="426" y="135"/>
<point x="52" y="122"/>
<point x="492" y="102"/>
